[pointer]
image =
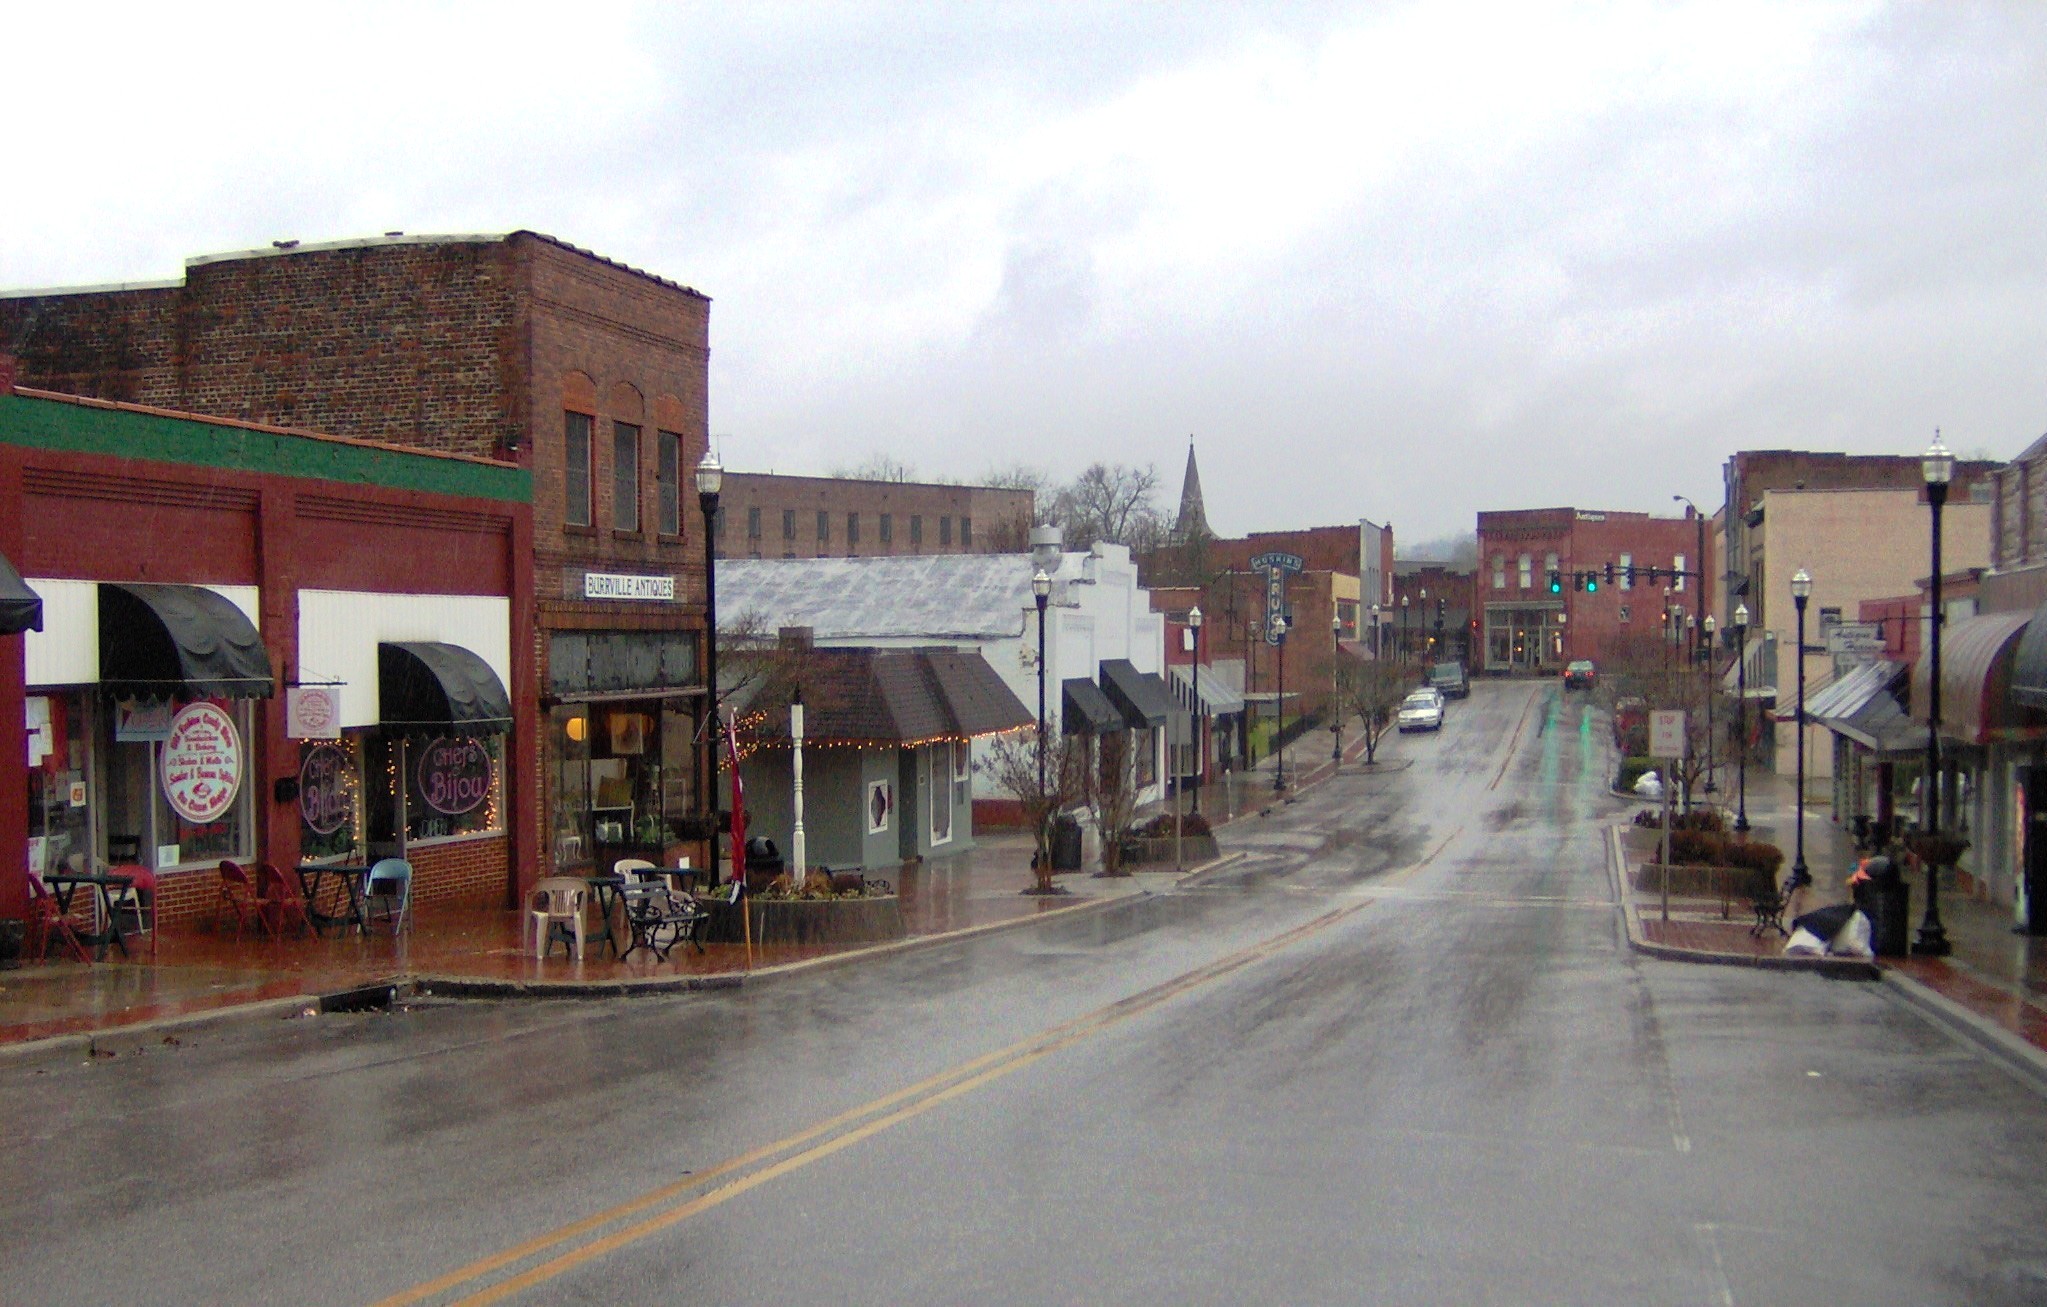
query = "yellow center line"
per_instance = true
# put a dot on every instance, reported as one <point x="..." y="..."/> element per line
<point x="878" y="1115"/>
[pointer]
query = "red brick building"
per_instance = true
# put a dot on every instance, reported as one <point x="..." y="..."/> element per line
<point x="763" y="515"/>
<point x="589" y="374"/>
<point x="1525" y="627"/>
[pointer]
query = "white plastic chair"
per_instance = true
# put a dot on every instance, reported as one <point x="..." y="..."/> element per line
<point x="556" y="901"/>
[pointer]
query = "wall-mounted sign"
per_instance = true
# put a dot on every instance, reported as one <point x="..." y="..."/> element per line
<point x="612" y="585"/>
<point x="1279" y="560"/>
<point x="454" y="775"/>
<point x="312" y="712"/>
<point x="139" y="721"/>
<point x="324" y="802"/>
<point x="201" y="767"/>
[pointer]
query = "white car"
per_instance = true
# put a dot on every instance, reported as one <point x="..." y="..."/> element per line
<point x="1421" y="711"/>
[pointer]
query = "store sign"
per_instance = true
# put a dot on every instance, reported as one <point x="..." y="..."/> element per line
<point x="454" y="775"/>
<point x="138" y="721"/>
<point x="312" y="712"/>
<point x="201" y="767"/>
<point x="324" y="803"/>
<point x="612" y="585"/>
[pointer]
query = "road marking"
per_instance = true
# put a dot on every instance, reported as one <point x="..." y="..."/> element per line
<point x="1723" y="1293"/>
<point x="1507" y="754"/>
<point x="826" y="1137"/>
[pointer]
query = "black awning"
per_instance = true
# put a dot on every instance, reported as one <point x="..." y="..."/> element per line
<point x="21" y="609"/>
<point x="2029" y="664"/>
<point x="161" y="640"/>
<point x="443" y="688"/>
<point x="1141" y="697"/>
<point x="1085" y="710"/>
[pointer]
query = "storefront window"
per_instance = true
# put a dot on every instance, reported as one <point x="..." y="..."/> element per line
<point x="454" y="785"/>
<point x="59" y="811"/>
<point x="330" y="798"/>
<point x="623" y="776"/>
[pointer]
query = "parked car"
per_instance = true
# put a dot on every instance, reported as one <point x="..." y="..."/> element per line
<point x="1421" y="711"/>
<point x="1579" y="674"/>
<point x="1450" y="679"/>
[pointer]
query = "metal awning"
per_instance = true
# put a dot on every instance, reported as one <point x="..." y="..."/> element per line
<point x="162" y="640"/>
<point x="1975" y="677"/>
<point x="423" y="685"/>
<point x="1760" y="658"/>
<point x="1085" y="710"/>
<point x="1882" y="726"/>
<point x="2029" y="664"/>
<point x="1141" y="697"/>
<point x="1204" y="690"/>
<point x="21" y="609"/>
<point x="1846" y="695"/>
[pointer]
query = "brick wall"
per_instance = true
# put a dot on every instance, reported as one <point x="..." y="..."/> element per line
<point x="921" y="518"/>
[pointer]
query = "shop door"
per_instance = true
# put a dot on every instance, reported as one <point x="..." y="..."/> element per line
<point x="2034" y="857"/>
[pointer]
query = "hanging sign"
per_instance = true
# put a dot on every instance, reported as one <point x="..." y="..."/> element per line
<point x="324" y="803"/>
<point x="312" y="712"/>
<point x="201" y="766"/>
<point x="454" y="775"/>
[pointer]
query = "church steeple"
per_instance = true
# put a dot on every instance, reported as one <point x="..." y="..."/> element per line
<point x="1193" y="520"/>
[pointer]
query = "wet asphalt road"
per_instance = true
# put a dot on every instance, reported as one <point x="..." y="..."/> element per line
<point x="1399" y="1053"/>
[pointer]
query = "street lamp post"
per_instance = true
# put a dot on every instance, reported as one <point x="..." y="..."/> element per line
<point x="1801" y="590"/>
<point x="1375" y="633"/>
<point x="1279" y="709"/>
<point x="1939" y="468"/>
<point x="1041" y="593"/>
<point x="1707" y="627"/>
<point x="1201" y="731"/>
<point x="1336" y="703"/>
<point x="1741" y="717"/>
<point x="710" y="478"/>
<point x="1403" y="628"/>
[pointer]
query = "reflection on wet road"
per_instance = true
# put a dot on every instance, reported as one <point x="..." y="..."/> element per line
<point x="1393" y="1052"/>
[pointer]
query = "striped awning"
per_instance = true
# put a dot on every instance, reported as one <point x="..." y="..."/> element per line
<point x="1976" y="656"/>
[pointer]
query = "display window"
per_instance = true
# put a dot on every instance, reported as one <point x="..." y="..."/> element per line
<point x="434" y="788"/>
<point x="331" y="820"/>
<point x="938" y="784"/>
<point x="622" y="780"/>
<point x="60" y="822"/>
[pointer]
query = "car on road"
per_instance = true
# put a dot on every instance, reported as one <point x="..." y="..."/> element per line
<point x="1421" y="711"/>
<point x="1450" y="679"/>
<point x="1579" y="674"/>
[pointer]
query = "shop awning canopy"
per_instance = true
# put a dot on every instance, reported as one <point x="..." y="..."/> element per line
<point x="163" y="640"/>
<point x="1085" y="710"/>
<point x="21" y="609"/>
<point x="1882" y="726"/>
<point x="1760" y="662"/>
<point x="1203" y="690"/>
<point x="2029" y="664"/>
<point x="1141" y="697"/>
<point x="1975" y="676"/>
<point x="424" y="685"/>
<point x="977" y="700"/>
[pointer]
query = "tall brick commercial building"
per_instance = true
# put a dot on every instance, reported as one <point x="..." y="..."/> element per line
<point x="1524" y="627"/>
<point x="519" y="348"/>
<point x="763" y="515"/>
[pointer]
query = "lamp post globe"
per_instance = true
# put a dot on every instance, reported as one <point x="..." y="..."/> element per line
<point x="1938" y="467"/>
<point x="1741" y="717"/>
<point x="1801" y="591"/>
<point x="710" y="479"/>
<point x="1375" y="632"/>
<point x="1201" y="701"/>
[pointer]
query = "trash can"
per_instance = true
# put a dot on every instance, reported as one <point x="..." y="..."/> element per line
<point x="1886" y="899"/>
<point x="1065" y="844"/>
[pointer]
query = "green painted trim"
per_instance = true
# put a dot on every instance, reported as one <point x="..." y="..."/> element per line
<point x="35" y="423"/>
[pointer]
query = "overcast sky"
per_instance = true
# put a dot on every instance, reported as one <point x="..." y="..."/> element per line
<point x="1404" y="262"/>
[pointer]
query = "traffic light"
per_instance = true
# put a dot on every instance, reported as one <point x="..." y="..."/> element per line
<point x="1609" y="573"/>
<point x="1654" y="575"/>
<point x="1592" y="583"/>
<point x="1556" y="582"/>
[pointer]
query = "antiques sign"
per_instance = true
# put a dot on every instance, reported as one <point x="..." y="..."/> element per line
<point x="201" y="769"/>
<point x="613" y="585"/>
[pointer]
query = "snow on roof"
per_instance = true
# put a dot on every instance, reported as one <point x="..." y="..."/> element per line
<point x="928" y="596"/>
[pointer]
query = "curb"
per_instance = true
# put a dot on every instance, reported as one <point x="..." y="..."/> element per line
<point x="351" y="999"/>
<point x="1624" y="901"/>
<point x="2015" y="1055"/>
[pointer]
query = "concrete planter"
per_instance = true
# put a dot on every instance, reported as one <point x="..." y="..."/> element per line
<point x="1194" y="848"/>
<point x="811" y="921"/>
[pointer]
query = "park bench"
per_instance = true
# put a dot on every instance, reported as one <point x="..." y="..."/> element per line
<point x="1769" y="899"/>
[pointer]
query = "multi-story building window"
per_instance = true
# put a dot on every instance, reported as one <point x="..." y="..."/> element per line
<point x="1499" y="571"/>
<point x="966" y="532"/>
<point x="1527" y="571"/>
<point x="824" y="528"/>
<point x="1627" y="582"/>
<point x="1549" y="563"/>
<point x="753" y="522"/>
<point x="576" y="469"/>
<point x="625" y="476"/>
<point x="852" y="530"/>
<point x="1677" y="571"/>
<point x="888" y="528"/>
<point x="916" y="531"/>
<point x="945" y="533"/>
<point x="668" y="479"/>
<point x="788" y="524"/>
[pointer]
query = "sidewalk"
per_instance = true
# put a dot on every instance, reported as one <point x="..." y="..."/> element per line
<point x="1992" y="989"/>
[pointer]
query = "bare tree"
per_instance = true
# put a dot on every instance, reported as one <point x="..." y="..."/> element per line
<point x="1013" y="766"/>
<point x="1114" y="503"/>
<point x="1371" y="691"/>
<point x="880" y="466"/>
<point x="1109" y="788"/>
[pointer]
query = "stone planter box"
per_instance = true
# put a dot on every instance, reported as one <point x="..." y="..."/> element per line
<point x="1194" y="848"/>
<point x="827" y="922"/>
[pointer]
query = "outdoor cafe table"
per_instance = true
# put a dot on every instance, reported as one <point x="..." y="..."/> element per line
<point x="109" y="890"/>
<point x="353" y="880"/>
<point x="609" y="889"/>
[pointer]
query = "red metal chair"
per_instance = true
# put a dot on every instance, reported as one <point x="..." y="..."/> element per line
<point x="237" y="895"/>
<point x="46" y="925"/>
<point x="279" y="900"/>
